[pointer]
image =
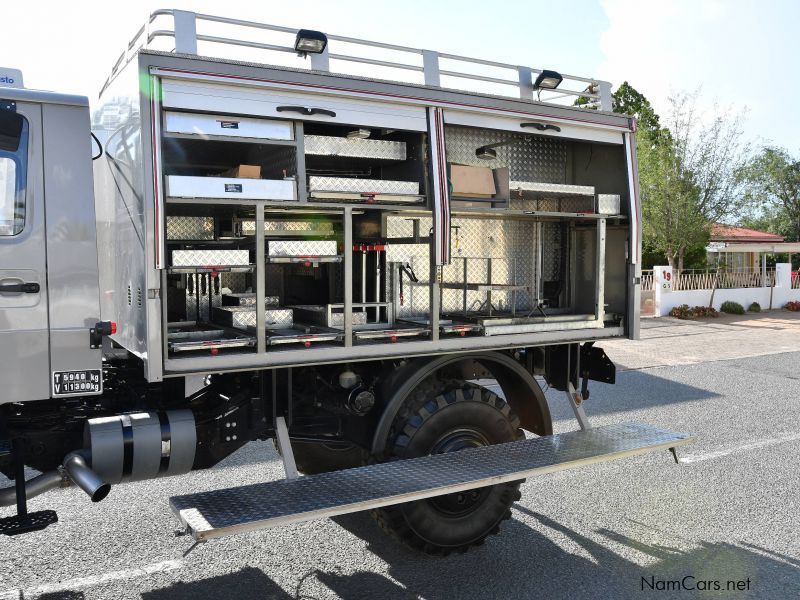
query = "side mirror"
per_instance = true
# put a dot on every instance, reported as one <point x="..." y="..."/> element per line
<point x="10" y="130"/>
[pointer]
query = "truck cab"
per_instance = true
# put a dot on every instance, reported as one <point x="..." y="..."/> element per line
<point x="49" y="295"/>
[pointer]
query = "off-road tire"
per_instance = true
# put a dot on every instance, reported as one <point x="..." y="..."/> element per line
<point x="436" y="412"/>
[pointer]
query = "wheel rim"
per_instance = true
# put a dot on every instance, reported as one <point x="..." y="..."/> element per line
<point x="459" y="504"/>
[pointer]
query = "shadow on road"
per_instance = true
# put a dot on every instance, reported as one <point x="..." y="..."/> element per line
<point x="522" y="562"/>
<point x="245" y="584"/>
<point x="634" y="390"/>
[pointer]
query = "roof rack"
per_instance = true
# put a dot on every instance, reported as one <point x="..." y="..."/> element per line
<point x="426" y="67"/>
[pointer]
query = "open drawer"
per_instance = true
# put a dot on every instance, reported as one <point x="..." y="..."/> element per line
<point x="192" y="338"/>
<point x="206" y="125"/>
<point x="184" y="186"/>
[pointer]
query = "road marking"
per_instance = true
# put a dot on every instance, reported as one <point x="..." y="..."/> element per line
<point x="92" y="580"/>
<point x="789" y="437"/>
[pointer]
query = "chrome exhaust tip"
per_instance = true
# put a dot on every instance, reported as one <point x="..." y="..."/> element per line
<point x="86" y="479"/>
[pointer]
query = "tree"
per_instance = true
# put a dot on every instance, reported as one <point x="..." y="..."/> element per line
<point x="671" y="222"/>
<point x="689" y="173"/>
<point x="772" y="181"/>
<point x="626" y="99"/>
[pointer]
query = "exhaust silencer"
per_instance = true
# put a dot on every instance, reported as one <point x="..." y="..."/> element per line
<point x="86" y="479"/>
<point x="145" y="445"/>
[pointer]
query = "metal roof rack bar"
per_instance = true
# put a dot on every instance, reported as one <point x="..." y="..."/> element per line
<point x="184" y="32"/>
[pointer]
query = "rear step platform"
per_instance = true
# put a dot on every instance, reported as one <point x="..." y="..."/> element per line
<point x="229" y="511"/>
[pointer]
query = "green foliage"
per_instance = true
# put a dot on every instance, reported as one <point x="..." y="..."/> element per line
<point x="732" y="308"/>
<point x="755" y="307"/>
<point x="688" y="173"/>
<point x="627" y="100"/>
<point x="684" y="312"/>
<point x="772" y="182"/>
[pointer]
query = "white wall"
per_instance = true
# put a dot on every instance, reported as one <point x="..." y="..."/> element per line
<point x="666" y="299"/>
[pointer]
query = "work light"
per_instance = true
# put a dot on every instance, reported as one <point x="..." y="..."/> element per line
<point x="310" y="42"/>
<point x="547" y="80"/>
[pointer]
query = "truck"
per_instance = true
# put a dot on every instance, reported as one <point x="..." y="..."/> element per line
<point x="374" y="255"/>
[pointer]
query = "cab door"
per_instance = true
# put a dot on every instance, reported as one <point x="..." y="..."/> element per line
<point x="24" y="340"/>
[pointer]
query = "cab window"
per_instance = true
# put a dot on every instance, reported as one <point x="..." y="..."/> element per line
<point x="13" y="172"/>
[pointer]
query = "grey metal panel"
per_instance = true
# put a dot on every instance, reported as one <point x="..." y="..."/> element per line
<point x="43" y="97"/>
<point x="121" y="200"/>
<point x="73" y="284"/>
<point x="258" y="506"/>
<point x="536" y="159"/>
<point x="24" y="342"/>
<point x="190" y="228"/>
<point x="215" y="258"/>
<point x="300" y="77"/>
<point x="276" y="248"/>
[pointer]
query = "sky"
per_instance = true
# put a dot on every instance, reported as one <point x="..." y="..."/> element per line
<point x="740" y="54"/>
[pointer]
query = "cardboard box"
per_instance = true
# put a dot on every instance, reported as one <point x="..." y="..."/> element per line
<point x="243" y="172"/>
<point x="472" y="182"/>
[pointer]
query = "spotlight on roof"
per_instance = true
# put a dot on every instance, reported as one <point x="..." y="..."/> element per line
<point x="310" y="42"/>
<point x="547" y="80"/>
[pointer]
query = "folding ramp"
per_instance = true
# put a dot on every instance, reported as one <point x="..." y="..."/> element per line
<point x="247" y="508"/>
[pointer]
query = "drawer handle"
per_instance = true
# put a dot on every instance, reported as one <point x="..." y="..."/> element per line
<point x="304" y="110"/>
<point x="541" y="126"/>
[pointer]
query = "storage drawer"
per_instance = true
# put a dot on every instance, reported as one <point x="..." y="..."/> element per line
<point x="244" y="317"/>
<point x="181" y="186"/>
<point x="222" y="125"/>
<point x="282" y="104"/>
<point x="217" y="258"/>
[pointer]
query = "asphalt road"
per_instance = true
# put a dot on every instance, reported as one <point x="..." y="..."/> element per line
<point x="729" y="512"/>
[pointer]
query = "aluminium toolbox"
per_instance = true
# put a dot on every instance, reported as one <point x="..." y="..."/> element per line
<point x="244" y="317"/>
<point x="248" y="299"/>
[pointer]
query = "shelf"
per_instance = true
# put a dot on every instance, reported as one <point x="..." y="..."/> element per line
<point x="366" y="197"/>
<point x="211" y="269"/>
<point x="295" y="260"/>
<point x="485" y="287"/>
<point x="551" y="189"/>
<point x="544" y="214"/>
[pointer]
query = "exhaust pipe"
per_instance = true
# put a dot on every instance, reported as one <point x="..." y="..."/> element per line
<point x="86" y="479"/>
<point x="33" y="487"/>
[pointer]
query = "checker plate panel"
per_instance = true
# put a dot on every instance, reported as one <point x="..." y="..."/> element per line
<point x="253" y="507"/>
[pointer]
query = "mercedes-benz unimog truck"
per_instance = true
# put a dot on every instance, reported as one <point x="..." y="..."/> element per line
<point x="269" y="233"/>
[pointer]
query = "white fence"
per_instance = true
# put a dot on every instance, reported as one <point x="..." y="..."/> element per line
<point x="770" y="289"/>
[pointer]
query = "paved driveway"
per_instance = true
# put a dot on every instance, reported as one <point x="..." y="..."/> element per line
<point x="729" y="512"/>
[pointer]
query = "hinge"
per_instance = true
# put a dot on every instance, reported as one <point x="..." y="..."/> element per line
<point x="153" y="294"/>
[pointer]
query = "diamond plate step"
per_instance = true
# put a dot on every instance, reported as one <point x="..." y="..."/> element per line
<point x="16" y="524"/>
<point x="248" y="508"/>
